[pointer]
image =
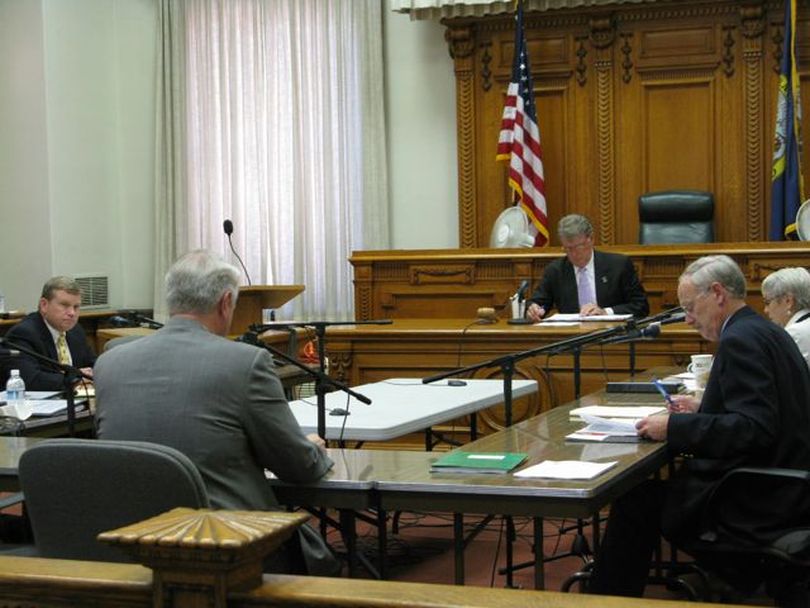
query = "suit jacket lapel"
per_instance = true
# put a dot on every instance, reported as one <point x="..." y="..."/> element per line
<point x="47" y="339"/>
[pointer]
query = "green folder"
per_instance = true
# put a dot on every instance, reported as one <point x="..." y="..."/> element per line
<point x="477" y="462"/>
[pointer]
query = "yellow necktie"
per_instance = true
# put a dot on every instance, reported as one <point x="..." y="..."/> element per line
<point x="62" y="350"/>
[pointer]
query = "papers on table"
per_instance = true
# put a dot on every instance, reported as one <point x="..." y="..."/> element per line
<point x="634" y="412"/>
<point x="578" y="318"/>
<point x="21" y="410"/>
<point x="620" y="430"/>
<point x="566" y="469"/>
<point x="35" y="395"/>
<point x="37" y="407"/>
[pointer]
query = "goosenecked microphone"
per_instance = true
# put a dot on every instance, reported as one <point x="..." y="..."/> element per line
<point x="227" y="226"/>
<point x="652" y="331"/>
<point x="521" y="292"/>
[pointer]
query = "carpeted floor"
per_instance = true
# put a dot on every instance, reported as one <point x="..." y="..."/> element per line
<point x="422" y="551"/>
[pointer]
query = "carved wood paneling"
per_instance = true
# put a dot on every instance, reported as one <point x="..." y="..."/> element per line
<point x="492" y="275"/>
<point x="593" y="68"/>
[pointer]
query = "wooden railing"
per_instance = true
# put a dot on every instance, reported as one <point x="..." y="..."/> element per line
<point x="213" y="558"/>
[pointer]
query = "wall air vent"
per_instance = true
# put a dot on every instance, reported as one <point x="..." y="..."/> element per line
<point x="95" y="291"/>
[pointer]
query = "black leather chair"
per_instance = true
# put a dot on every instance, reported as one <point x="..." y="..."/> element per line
<point x="676" y="216"/>
<point x="748" y="543"/>
<point x="76" y="488"/>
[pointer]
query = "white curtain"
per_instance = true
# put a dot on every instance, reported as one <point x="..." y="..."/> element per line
<point x="271" y="115"/>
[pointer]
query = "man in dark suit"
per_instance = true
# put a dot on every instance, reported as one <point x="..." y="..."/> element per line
<point x="53" y="331"/>
<point x="218" y="401"/>
<point x="586" y="281"/>
<point x="755" y="411"/>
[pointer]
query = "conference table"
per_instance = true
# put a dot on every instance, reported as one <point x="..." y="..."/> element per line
<point x="401" y="480"/>
<point x="400" y="406"/>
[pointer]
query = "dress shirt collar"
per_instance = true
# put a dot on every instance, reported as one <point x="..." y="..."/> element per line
<point x="54" y="332"/>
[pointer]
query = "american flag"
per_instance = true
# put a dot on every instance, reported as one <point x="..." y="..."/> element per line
<point x="519" y="141"/>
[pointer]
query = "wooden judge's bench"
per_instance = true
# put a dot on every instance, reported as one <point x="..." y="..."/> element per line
<point x="433" y="297"/>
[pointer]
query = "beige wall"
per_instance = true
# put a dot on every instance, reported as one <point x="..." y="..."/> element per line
<point x="77" y="133"/>
<point x="421" y="113"/>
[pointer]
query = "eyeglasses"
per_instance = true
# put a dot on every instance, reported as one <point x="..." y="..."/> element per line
<point x="688" y="307"/>
<point x="578" y="246"/>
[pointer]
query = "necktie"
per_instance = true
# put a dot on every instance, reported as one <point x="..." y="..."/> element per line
<point x="62" y="350"/>
<point x="587" y="295"/>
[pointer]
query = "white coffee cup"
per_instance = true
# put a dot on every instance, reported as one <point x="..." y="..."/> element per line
<point x="701" y="367"/>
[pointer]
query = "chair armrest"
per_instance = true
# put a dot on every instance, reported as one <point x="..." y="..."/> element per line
<point x="757" y="504"/>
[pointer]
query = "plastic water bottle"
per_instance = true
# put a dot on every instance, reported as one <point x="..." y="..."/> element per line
<point x="15" y="389"/>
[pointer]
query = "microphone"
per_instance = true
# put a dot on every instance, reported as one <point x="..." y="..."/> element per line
<point x="119" y="321"/>
<point x="227" y="225"/>
<point x="521" y="292"/>
<point x="136" y="319"/>
<point x="652" y="331"/>
<point x="516" y="302"/>
<point x="678" y="317"/>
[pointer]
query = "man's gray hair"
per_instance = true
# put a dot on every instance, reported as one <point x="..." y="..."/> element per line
<point x="574" y="225"/>
<point x="716" y="269"/>
<point x="60" y="284"/>
<point x="196" y="282"/>
<point x="793" y="281"/>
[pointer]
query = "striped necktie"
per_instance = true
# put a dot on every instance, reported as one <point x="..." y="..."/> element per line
<point x="62" y="349"/>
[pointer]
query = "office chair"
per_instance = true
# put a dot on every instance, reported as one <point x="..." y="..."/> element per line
<point x="76" y="488"/>
<point x="676" y="216"/>
<point x="748" y="542"/>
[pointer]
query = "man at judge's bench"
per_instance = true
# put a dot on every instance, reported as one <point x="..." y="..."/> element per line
<point x="587" y="281"/>
<point x="754" y="413"/>
<point x="53" y="331"/>
<point x="218" y="401"/>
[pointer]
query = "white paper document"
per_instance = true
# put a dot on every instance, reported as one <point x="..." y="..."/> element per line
<point x="36" y="395"/>
<point x="566" y="469"/>
<point x="635" y="412"/>
<point x="607" y="429"/>
<point x="576" y="317"/>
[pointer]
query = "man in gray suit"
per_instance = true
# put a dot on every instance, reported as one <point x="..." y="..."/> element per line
<point x="217" y="401"/>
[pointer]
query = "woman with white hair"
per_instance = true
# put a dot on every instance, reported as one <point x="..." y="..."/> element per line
<point x="786" y="294"/>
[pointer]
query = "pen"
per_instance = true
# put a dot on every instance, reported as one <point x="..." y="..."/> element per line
<point x="663" y="392"/>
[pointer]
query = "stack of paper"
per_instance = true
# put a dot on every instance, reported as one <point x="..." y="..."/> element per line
<point x="607" y="429"/>
<point x="576" y="317"/>
<point x="566" y="469"/>
<point x="476" y="462"/>
<point x="629" y="412"/>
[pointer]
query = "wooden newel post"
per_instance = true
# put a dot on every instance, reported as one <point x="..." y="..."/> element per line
<point x="198" y="555"/>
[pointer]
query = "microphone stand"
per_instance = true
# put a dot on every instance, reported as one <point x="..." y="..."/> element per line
<point x="321" y="377"/>
<point x="71" y="375"/>
<point x="662" y="317"/>
<point x="507" y="362"/>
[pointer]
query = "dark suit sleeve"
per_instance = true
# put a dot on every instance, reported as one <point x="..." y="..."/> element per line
<point x="276" y="439"/>
<point x="746" y="422"/>
<point x="37" y="376"/>
<point x="634" y="298"/>
<point x="547" y="292"/>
